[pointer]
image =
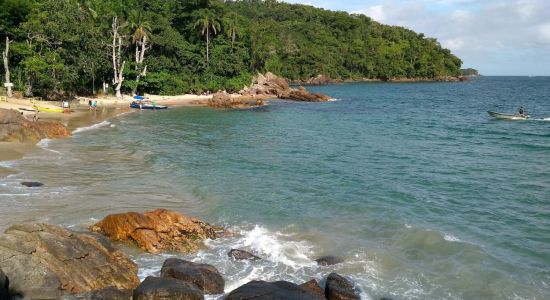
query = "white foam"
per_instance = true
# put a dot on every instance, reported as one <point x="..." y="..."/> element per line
<point x="92" y="127"/>
<point x="44" y="143"/>
<point x="450" y="238"/>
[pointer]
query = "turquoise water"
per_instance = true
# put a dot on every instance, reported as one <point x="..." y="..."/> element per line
<point x="421" y="192"/>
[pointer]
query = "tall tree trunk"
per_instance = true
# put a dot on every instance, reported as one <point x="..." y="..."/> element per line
<point x="207" y="46"/>
<point x="140" y="56"/>
<point x="5" y="56"/>
<point x="118" y="69"/>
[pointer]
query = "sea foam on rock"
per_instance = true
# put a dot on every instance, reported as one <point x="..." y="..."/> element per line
<point x="205" y="277"/>
<point x="45" y="261"/>
<point x="158" y="230"/>
<point x="237" y="254"/>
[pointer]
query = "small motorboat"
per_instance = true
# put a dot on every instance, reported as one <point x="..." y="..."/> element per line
<point x="501" y="116"/>
<point x="147" y="106"/>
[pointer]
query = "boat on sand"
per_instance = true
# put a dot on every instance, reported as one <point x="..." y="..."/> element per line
<point x="139" y="105"/>
<point x="502" y="116"/>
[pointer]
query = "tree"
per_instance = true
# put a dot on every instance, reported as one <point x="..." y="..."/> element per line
<point x="118" y="68"/>
<point x="5" y="56"/>
<point x="207" y="23"/>
<point x="231" y="24"/>
<point x="141" y="33"/>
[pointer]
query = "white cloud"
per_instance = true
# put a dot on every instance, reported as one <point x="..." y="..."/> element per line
<point x="376" y="12"/>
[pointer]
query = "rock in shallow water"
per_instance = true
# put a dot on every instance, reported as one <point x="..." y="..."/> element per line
<point x="329" y="260"/>
<point x="158" y="230"/>
<point x="340" y="288"/>
<point x="205" y="277"/>
<point x="110" y="293"/>
<point x="313" y="288"/>
<point x="32" y="184"/>
<point x="155" y="288"/>
<point x="280" y="290"/>
<point x="4" y="285"/>
<point x="44" y="261"/>
<point x="242" y="255"/>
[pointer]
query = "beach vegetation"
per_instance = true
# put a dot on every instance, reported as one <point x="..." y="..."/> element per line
<point x="173" y="47"/>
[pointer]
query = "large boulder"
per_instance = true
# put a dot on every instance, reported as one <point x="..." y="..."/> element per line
<point x="110" y="293"/>
<point x="4" y="285"/>
<point x="16" y="128"/>
<point x="204" y="276"/>
<point x="280" y="290"/>
<point x="44" y="261"/>
<point x="224" y="100"/>
<point x="237" y="254"/>
<point x="340" y="288"/>
<point x="158" y="230"/>
<point x="313" y="288"/>
<point x="155" y="288"/>
<point x="270" y="85"/>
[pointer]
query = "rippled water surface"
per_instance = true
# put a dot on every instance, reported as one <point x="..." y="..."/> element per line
<point x="414" y="185"/>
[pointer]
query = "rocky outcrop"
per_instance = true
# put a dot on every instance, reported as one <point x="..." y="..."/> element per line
<point x="16" y="128"/>
<point x="340" y="288"/>
<point x="110" y="293"/>
<point x="155" y="288"/>
<point x="224" y="100"/>
<point x="242" y="255"/>
<point x="4" y="285"/>
<point x="280" y="290"/>
<point x="301" y="94"/>
<point x="313" y="288"/>
<point x="44" y="261"/>
<point x="329" y="260"/>
<point x="205" y="277"/>
<point x="270" y="85"/>
<point x="158" y="230"/>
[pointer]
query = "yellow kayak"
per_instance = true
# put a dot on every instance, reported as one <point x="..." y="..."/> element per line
<point x="49" y="109"/>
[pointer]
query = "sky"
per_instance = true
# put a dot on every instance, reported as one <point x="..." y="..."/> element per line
<point x="497" y="37"/>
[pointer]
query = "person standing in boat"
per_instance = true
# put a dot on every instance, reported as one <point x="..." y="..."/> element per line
<point x="521" y="111"/>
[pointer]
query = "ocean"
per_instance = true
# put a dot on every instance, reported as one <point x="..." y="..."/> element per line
<point x="413" y="184"/>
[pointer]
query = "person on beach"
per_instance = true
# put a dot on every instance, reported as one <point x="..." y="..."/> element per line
<point x="90" y="104"/>
<point x="94" y="105"/>
<point x="35" y="117"/>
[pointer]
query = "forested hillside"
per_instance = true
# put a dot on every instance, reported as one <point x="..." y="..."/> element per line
<point x="65" y="47"/>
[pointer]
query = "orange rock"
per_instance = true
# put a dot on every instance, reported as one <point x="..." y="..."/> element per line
<point x="155" y="231"/>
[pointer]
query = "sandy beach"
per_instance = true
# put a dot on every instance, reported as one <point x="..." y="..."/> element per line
<point x="80" y="115"/>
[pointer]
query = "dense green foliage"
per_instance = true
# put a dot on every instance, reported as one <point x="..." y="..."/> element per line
<point x="469" y="72"/>
<point x="64" y="46"/>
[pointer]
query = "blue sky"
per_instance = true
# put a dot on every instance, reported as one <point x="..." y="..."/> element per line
<point x="497" y="37"/>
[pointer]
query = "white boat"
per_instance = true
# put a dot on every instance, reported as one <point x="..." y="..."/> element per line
<point x="501" y="116"/>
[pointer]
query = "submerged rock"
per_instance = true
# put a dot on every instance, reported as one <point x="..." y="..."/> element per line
<point x="313" y="288"/>
<point x="340" y="288"/>
<point x="155" y="288"/>
<point x="16" y="128"/>
<point x="110" y="293"/>
<point x="204" y="276"/>
<point x="44" y="261"/>
<point x="32" y="184"/>
<point x="280" y="290"/>
<point x="4" y="285"/>
<point x="242" y="255"/>
<point x="158" y="230"/>
<point x="329" y="260"/>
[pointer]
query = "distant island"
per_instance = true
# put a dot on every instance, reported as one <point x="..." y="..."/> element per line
<point x="469" y="72"/>
<point x="57" y="49"/>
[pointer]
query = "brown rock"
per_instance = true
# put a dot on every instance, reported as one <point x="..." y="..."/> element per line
<point x="340" y="288"/>
<point x="15" y="127"/>
<point x="205" y="277"/>
<point x="158" y="230"/>
<point x="44" y="261"/>
<point x="271" y="85"/>
<point x="155" y="288"/>
<point x="110" y="293"/>
<point x="301" y="94"/>
<point x="313" y="288"/>
<point x="280" y="290"/>
<point x="237" y="254"/>
<point x="223" y="100"/>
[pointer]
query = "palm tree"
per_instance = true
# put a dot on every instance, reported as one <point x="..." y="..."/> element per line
<point x="207" y="23"/>
<point x="231" y="28"/>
